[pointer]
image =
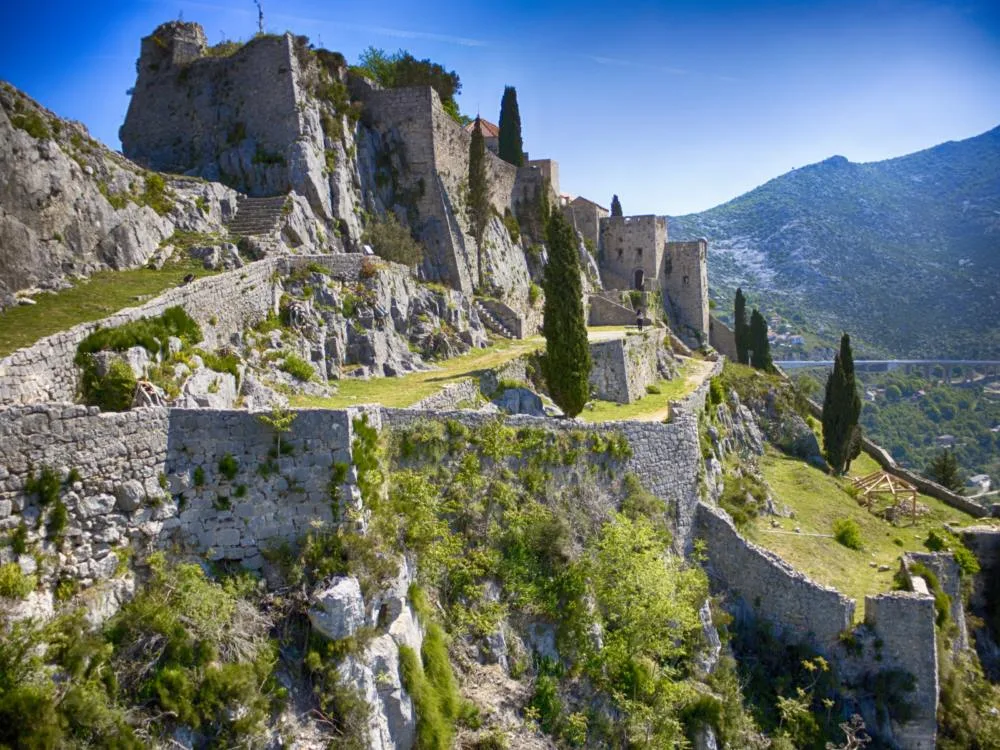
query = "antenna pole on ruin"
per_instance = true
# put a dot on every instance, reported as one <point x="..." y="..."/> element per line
<point x="260" y="16"/>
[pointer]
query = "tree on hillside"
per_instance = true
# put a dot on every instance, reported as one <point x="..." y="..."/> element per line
<point x="841" y="410"/>
<point x="741" y="329"/>
<point x="944" y="470"/>
<point x="616" y="206"/>
<point x="510" y="147"/>
<point x="403" y="69"/>
<point x="567" y="355"/>
<point x="479" y="194"/>
<point x="758" y="345"/>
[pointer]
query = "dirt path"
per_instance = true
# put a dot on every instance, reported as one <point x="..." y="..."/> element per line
<point x="700" y="371"/>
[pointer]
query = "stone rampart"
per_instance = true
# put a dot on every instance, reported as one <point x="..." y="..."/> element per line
<point x="904" y="622"/>
<point x="722" y="338"/>
<point x="622" y="368"/>
<point x="769" y="587"/>
<point x="665" y="457"/>
<point x="222" y="305"/>
<point x="153" y="478"/>
<point x="604" y="312"/>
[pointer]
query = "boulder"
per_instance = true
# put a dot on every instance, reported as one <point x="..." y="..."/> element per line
<point x="130" y="495"/>
<point x="338" y="610"/>
<point x="208" y="389"/>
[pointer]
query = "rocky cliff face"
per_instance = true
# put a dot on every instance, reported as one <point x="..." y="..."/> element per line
<point x="69" y="206"/>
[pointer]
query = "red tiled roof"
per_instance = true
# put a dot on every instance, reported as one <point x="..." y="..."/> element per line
<point x="487" y="128"/>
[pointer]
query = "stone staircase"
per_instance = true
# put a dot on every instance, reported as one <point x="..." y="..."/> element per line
<point x="492" y="322"/>
<point x="257" y="216"/>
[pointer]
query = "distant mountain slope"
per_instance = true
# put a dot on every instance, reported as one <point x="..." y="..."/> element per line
<point x="903" y="253"/>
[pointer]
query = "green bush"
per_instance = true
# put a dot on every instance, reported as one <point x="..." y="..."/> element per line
<point x="512" y="225"/>
<point x="150" y="333"/>
<point x="45" y="487"/>
<point x="392" y="241"/>
<point x="58" y="520"/>
<point x="19" y="539"/>
<point x="534" y="294"/>
<point x="114" y="391"/>
<point x="32" y="123"/>
<point x="14" y="584"/>
<point x="228" y="466"/>
<point x="199" y="476"/>
<point x="847" y="532"/>
<point x="156" y="195"/>
<point x="223" y="361"/>
<point x="298" y="368"/>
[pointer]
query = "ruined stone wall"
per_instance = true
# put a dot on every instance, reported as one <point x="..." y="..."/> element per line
<point x="722" y="338"/>
<point x="549" y="170"/>
<point x="904" y="621"/>
<point x="151" y="478"/>
<point x="604" y="312"/>
<point x="770" y="587"/>
<point x="633" y="243"/>
<point x="233" y="118"/>
<point x="223" y="305"/>
<point x="685" y="281"/>
<point x="622" y="368"/>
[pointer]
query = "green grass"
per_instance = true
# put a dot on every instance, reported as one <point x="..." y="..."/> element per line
<point x="819" y="500"/>
<point x="101" y="295"/>
<point x="652" y="404"/>
<point x="406" y="390"/>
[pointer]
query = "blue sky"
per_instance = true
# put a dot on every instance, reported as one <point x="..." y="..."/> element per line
<point x="675" y="106"/>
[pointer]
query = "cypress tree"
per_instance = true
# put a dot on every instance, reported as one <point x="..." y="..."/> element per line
<point x="944" y="470"/>
<point x="567" y="354"/>
<point x="759" y="346"/>
<point x="616" y="206"/>
<point x="479" y="194"/>
<point x="741" y="329"/>
<point x="510" y="145"/>
<point x="841" y="410"/>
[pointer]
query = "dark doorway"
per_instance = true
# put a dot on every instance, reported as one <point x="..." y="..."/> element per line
<point x="638" y="278"/>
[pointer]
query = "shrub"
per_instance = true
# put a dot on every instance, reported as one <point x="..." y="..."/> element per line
<point x="150" y="333"/>
<point x="847" y="532"/>
<point x="512" y="225"/>
<point x="199" y="476"/>
<point x="298" y="368"/>
<point x="228" y="466"/>
<point x="156" y="195"/>
<point x="19" y="539"/>
<point x="45" y="486"/>
<point x="653" y="390"/>
<point x="58" y="519"/>
<point x="32" y="123"/>
<point x="221" y="361"/>
<point x="392" y="241"/>
<point x="14" y="584"/>
<point x="112" y="392"/>
<point x="534" y="294"/>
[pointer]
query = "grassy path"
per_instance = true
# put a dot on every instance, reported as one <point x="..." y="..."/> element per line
<point x="406" y="390"/>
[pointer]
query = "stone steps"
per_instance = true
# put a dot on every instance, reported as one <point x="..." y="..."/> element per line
<point x="492" y="322"/>
<point x="256" y="216"/>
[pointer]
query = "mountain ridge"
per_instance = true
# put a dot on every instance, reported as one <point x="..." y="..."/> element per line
<point x="899" y="252"/>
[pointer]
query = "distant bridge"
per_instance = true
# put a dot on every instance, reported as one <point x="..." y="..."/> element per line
<point x="948" y="370"/>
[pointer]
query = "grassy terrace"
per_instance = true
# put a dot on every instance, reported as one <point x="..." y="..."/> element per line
<point x="817" y="500"/>
<point x="653" y="407"/>
<point x="101" y="295"/>
<point x="406" y="390"/>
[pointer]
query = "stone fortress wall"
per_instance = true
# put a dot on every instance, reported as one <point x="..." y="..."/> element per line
<point x="623" y="367"/>
<point x="900" y="625"/>
<point x="152" y="478"/>
<point x="191" y="109"/>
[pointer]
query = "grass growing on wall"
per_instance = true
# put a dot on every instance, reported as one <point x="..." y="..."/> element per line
<point x="104" y="293"/>
<point x="819" y="501"/>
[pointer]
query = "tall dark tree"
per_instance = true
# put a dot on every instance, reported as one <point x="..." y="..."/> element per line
<point x="510" y="146"/>
<point x="567" y="354"/>
<point x="944" y="470"/>
<point x="741" y="329"/>
<point x="479" y="194"/>
<point x="758" y="345"/>
<point x="616" y="206"/>
<point x="841" y="410"/>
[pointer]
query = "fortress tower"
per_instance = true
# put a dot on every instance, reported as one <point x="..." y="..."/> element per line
<point x="633" y="251"/>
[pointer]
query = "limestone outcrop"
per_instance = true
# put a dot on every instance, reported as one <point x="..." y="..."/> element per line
<point x="69" y="206"/>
